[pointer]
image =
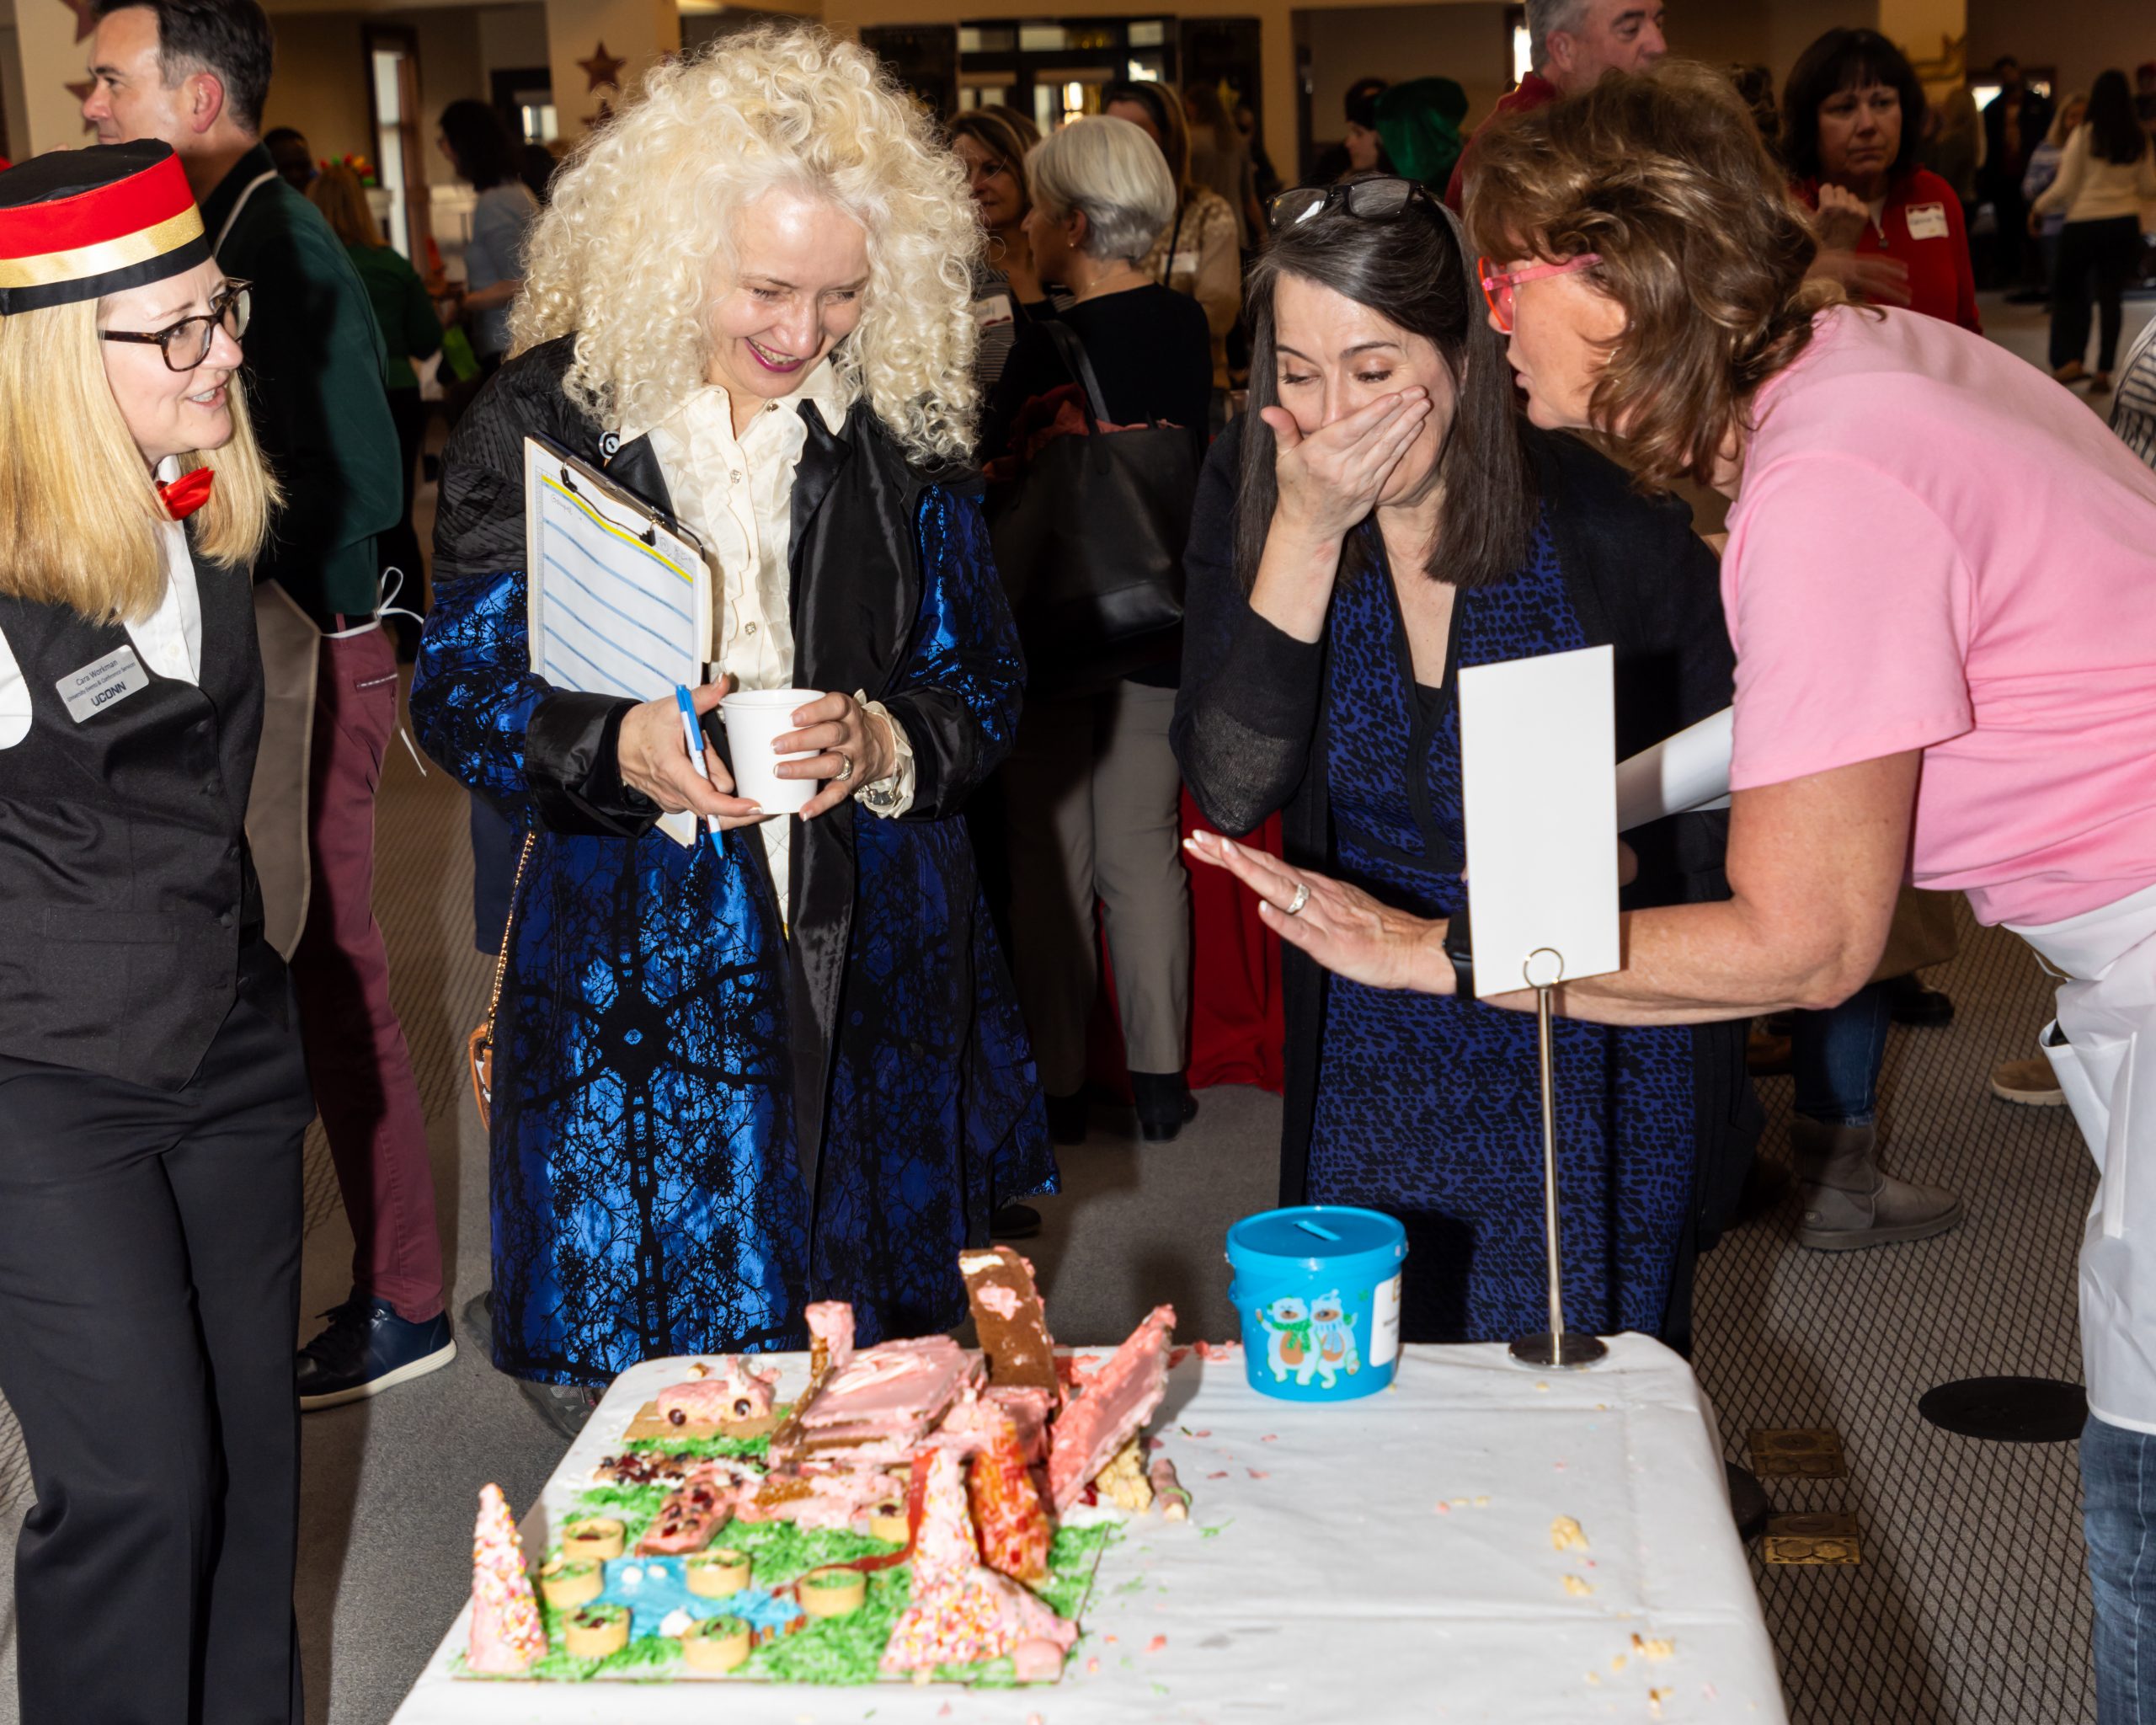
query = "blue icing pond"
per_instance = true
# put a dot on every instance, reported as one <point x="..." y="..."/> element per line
<point x="654" y="1589"/>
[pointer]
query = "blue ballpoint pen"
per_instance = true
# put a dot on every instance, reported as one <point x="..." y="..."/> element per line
<point x="694" y="738"/>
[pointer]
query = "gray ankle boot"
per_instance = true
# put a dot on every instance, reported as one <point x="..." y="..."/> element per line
<point x="1847" y="1203"/>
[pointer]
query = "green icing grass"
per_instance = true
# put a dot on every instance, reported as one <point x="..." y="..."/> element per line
<point x="704" y="1449"/>
<point x="779" y="1551"/>
<point x="839" y="1651"/>
<point x="633" y="1506"/>
<point x="1072" y="1556"/>
<point x="654" y="1655"/>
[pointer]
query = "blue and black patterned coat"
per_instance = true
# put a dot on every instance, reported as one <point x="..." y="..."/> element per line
<point x="700" y="1123"/>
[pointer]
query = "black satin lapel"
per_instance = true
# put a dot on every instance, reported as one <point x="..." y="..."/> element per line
<point x="856" y="588"/>
<point x="636" y="465"/>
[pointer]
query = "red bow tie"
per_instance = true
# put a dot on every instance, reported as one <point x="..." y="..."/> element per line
<point x="188" y="492"/>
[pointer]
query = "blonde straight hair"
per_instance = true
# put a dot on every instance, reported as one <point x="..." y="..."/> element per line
<point x="78" y="514"/>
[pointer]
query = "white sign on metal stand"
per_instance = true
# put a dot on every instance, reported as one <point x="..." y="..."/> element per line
<point x="1537" y="747"/>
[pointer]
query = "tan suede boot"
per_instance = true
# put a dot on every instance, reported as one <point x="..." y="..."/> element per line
<point x="1847" y="1203"/>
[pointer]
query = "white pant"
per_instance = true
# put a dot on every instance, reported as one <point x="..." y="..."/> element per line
<point x="2106" y="1014"/>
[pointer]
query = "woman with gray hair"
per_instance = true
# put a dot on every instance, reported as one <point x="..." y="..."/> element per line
<point x="1091" y="789"/>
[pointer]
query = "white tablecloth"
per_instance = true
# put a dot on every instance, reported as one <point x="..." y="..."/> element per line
<point x="1319" y="1579"/>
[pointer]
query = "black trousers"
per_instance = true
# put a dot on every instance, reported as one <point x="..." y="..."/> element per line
<point x="149" y="1294"/>
<point x="2094" y="258"/>
<point x="398" y="547"/>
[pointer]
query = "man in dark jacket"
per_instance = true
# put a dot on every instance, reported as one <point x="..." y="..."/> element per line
<point x="195" y="73"/>
<point x="2014" y="123"/>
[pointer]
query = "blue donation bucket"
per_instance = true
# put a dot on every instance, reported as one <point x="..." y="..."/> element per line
<point x="1318" y="1289"/>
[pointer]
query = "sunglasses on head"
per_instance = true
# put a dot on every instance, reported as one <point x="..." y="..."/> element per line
<point x="1385" y="199"/>
<point x="1497" y="285"/>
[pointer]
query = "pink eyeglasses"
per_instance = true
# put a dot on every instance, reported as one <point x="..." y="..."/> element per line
<point x="1497" y="285"/>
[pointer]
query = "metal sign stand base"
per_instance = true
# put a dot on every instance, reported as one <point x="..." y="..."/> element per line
<point x="1557" y="1347"/>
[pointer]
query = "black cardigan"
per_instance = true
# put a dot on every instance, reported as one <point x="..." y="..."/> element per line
<point x="1250" y="732"/>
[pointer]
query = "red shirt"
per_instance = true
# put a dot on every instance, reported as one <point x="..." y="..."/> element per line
<point x="1534" y="91"/>
<point x="1921" y="227"/>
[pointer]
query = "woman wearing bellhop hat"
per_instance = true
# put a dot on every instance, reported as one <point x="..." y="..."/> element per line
<point x="151" y="1092"/>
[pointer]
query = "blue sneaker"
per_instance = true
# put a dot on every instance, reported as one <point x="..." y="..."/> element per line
<point x="367" y="1349"/>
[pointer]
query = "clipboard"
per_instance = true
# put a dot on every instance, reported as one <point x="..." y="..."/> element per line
<point x="618" y="595"/>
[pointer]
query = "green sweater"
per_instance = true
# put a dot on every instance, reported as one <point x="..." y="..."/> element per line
<point x="402" y="310"/>
<point x="315" y="361"/>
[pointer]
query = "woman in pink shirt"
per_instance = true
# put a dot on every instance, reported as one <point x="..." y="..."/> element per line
<point x="1941" y="579"/>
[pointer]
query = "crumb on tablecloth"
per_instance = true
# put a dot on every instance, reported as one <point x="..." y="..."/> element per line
<point x="1577" y="1588"/>
<point x="1566" y="1534"/>
<point x="1654" y="1647"/>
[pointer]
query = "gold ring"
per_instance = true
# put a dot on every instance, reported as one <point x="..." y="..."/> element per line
<point x="845" y="767"/>
<point x="1302" y="898"/>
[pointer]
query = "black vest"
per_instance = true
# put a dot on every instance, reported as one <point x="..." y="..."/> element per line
<point x="127" y="899"/>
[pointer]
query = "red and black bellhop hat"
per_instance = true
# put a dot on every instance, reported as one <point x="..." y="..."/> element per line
<point x="79" y="224"/>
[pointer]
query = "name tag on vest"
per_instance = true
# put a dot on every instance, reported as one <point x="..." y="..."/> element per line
<point x="1927" y="220"/>
<point x="105" y="683"/>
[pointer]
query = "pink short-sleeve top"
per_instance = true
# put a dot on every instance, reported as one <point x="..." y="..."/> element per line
<point x="1935" y="546"/>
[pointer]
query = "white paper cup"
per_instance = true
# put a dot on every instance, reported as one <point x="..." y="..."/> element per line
<point x="753" y="718"/>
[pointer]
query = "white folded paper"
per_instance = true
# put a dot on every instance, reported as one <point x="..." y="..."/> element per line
<point x="1680" y="774"/>
<point x="1536" y="737"/>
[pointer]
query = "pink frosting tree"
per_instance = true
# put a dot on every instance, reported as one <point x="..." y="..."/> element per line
<point x="506" y="1635"/>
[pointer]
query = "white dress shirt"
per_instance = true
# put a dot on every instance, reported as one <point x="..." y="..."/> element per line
<point x="168" y="641"/>
<point x="736" y="495"/>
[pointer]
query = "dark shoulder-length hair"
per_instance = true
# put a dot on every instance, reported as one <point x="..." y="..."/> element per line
<point x="1414" y="272"/>
<point x="2114" y="133"/>
<point x="1848" y="60"/>
<point x="482" y="143"/>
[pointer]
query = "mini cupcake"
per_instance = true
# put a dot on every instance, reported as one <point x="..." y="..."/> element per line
<point x="832" y="1592"/>
<point x="567" y="1583"/>
<point x="595" y="1631"/>
<point x="888" y="1521"/>
<point x="714" y="1575"/>
<point x="595" y="1539"/>
<point x="715" y="1644"/>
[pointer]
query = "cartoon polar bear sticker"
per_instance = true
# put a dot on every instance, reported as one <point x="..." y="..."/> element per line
<point x="1333" y="1335"/>
<point x="1287" y="1345"/>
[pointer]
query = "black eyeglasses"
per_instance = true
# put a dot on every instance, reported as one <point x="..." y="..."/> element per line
<point x="1385" y="199"/>
<point x="187" y="343"/>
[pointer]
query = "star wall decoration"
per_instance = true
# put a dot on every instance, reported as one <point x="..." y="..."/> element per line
<point x="86" y="17"/>
<point x="602" y="70"/>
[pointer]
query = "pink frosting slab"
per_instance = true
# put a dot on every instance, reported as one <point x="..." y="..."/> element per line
<point x="895" y="1383"/>
<point x="832" y="1321"/>
<point x="1119" y="1398"/>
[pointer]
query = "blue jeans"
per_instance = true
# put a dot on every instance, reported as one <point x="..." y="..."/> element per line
<point x="1834" y="1057"/>
<point x="2118" y="1503"/>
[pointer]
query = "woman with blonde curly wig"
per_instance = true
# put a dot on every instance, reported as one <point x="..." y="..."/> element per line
<point x="733" y="1080"/>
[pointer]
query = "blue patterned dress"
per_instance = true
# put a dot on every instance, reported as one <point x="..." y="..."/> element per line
<point x="1428" y="1108"/>
<point x="649" y="1191"/>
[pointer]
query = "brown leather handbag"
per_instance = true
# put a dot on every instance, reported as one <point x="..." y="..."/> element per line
<point x="480" y="1048"/>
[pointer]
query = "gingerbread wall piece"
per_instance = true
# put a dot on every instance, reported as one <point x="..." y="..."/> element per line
<point x="1007" y="1312"/>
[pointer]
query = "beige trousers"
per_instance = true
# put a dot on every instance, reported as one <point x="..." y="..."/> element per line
<point x="1091" y="794"/>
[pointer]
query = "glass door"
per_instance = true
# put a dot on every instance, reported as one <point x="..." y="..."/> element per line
<point x="400" y="174"/>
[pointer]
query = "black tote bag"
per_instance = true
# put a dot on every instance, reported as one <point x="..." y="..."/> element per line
<point x="1089" y="539"/>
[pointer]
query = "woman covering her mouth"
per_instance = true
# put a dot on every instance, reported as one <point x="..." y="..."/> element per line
<point x="788" y="1068"/>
